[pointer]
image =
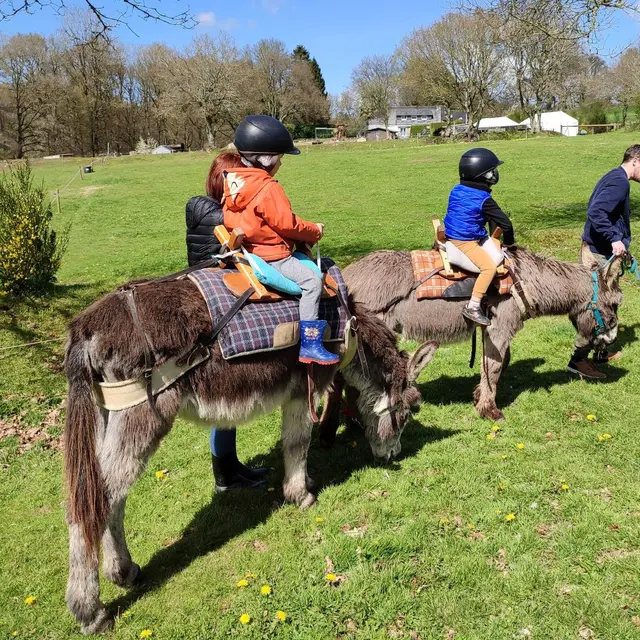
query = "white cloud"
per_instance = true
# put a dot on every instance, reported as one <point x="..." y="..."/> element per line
<point x="210" y="20"/>
<point x="272" y="6"/>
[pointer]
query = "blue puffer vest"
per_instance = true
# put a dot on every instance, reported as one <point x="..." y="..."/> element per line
<point x="464" y="219"/>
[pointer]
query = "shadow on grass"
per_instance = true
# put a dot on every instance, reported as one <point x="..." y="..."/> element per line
<point x="230" y="514"/>
<point x="519" y="376"/>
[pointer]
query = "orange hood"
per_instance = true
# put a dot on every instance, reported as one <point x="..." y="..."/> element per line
<point x="242" y="185"/>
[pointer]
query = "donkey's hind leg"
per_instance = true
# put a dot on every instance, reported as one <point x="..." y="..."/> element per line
<point x="133" y="436"/>
<point x="296" y="438"/>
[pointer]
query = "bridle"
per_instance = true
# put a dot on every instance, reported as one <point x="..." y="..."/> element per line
<point x="592" y="306"/>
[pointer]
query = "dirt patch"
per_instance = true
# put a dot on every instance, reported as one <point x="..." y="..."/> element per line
<point x="615" y="554"/>
<point x="85" y="192"/>
<point x="28" y="437"/>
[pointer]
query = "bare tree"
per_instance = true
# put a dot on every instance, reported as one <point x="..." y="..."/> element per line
<point x="538" y="62"/>
<point x="375" y="80"/>
<point x="201" y="82"/>
<point x="121" y="14"/>
<point x="459" y="61"/>
<point x="580" y="19"/>
<point x="23" y="70"/>
<point x="624" y="81"/>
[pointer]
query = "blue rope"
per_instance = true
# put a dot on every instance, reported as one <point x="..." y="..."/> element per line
<point x="593" y="306"/>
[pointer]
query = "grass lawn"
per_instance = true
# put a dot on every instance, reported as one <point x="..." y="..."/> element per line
<point x="427" y="547"/>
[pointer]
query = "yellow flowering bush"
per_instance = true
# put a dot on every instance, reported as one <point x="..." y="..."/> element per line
<point x="30" y="250"/>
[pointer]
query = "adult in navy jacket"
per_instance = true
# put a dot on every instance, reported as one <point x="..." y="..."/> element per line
<point x="607" y="233"/>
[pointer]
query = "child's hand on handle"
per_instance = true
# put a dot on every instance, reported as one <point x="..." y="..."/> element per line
<point x="320" y="228"/>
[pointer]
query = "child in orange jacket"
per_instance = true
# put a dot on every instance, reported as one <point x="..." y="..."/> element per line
<point x="256" y="202"/>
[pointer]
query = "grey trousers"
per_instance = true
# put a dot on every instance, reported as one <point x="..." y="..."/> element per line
<point x="307" y="279"/>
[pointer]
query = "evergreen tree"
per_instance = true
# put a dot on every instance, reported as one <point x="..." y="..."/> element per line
<point x="302" y="53"/>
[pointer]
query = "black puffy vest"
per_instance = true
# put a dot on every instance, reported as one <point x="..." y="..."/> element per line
<point x="203" y="214"/>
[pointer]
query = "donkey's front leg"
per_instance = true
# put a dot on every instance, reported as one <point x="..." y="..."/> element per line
<point x="497" y="342"/>
<point x="296" y="437"/>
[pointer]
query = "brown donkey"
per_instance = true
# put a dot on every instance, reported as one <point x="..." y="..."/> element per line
<point x="106" y="451"/>
<point x="383" y="281"/>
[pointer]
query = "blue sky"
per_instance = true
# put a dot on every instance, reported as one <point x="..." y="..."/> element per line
<point x="337" y="33"/>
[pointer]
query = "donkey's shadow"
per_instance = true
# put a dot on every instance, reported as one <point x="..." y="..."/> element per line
<point x="230" y="514"/>
<point x="519" y="376"/>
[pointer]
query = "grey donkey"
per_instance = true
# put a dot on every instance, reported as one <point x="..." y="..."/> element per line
<point x="383" y="281"/>
<point x="105" y="452"/>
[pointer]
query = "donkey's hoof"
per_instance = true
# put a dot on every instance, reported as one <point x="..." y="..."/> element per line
<point x="308" y="501"/>
<point x="101" y="623"/>
<point x="126" y="579"/>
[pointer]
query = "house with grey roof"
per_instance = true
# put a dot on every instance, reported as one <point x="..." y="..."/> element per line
<point x="401" y="119"/>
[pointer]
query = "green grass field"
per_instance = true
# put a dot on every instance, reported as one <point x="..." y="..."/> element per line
<point x="426" y="547"/>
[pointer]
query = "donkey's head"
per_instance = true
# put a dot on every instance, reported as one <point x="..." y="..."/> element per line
<point x="597" y="322"/>
<point x="385" y="382"/>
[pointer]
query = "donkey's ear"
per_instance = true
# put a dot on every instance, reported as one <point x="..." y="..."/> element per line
<point x="420" y="359"/>
<point x="612" y="271"/>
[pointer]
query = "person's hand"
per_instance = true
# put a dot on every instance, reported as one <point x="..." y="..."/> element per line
<point x="321" y="228"/>
<point x="618" y="248"/>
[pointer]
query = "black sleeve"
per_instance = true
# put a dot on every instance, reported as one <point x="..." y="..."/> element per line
<point x="498" y="218"/>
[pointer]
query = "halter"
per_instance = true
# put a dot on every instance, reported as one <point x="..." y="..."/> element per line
<point x="593" y="307"/>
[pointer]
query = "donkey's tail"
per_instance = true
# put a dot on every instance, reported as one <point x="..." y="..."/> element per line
<point x="88" y="505"/>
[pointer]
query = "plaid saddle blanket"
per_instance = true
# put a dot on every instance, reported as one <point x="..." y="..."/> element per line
<point x="425" y="263"/>
<point x="265" y="326"/>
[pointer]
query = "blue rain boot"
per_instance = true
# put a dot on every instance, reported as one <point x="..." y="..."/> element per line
<point x="311" y="348"/>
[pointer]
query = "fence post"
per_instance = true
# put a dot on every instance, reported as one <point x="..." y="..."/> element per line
<point x="81" y="176"/>
<point x="58" y="200"/>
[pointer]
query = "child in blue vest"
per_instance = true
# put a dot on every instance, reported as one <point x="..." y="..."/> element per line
<point x="470" y="208"/>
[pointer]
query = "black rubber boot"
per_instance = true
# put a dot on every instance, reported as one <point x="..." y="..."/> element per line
<point x="229" y="473"/>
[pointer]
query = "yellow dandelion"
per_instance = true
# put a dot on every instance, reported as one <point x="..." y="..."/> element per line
<point x="319" y="519"/>
<point x="245" y="618"/>
<point x="520" y="445"/>
<point x="161" y="475"/>
<point x="330" y="577"/>
<point x="126" y="614"/>
<point x="271" y="489"/>
<point x="265" y="590"/>
<point x="29" y="600"/>
<point x="510" y="516"/>
<point x="14" y="634"/>
<point x="146" y="633"/>
<point x="242" y="583"/>
<point x="281" y="615"/>
<point x="502" y="486"/>
<point x="251" y="575"/>
<point x="444" y="521"/>
<point x="503" y="457"/>
<point x="606" y="436"/>
<point x="491" y="436"/>
<point x="591" y="418"/>
<point x="564" y="486"/>
<point x="621" y="329"/>
<point x="495" y="428"/>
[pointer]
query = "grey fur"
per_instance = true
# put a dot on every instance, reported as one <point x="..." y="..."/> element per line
<point x="383" y="282"/>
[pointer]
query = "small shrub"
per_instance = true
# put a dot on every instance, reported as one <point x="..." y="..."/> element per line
<point x="145" y="147"/>
<point x="30" y="250"/>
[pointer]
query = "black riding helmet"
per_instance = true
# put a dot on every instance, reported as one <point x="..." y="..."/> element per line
<point x="263" y="134"/>
<point x="479" y="165"/>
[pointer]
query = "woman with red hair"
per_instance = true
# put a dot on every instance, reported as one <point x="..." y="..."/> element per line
<point x="204" y="213"/>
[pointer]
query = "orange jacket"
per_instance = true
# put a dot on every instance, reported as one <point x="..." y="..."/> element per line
<point x="256" y="203"/>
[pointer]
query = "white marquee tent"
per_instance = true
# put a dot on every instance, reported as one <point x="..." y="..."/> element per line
<point x="557" y="121"/>
<point x="496" y="123"/>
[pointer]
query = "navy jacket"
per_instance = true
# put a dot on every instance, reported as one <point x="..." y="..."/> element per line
<point x="470" y="208"/>
<point x="608" y="213"/>
<point x="203" y="214"/>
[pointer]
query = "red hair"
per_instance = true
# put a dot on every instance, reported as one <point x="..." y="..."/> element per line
<point x="225" y="161"/>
